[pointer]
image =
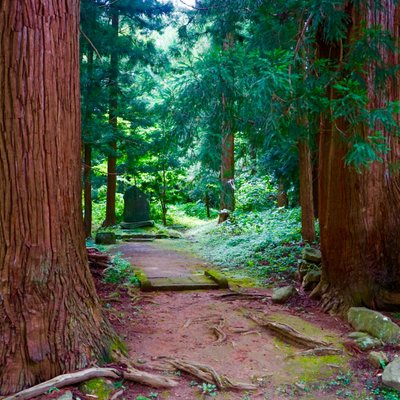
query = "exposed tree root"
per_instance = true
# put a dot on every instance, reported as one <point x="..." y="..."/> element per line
<point x="208" y="374"/>
<point x="318" y="351"/>
<point x="242" y="296"/>
<point x="60" y="381"/>
<point x="331" y="301"/>
<point x="219" y="333"/>
<point x="288" y="334"/>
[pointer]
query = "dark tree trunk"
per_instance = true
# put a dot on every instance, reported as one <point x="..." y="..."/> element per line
<point x="306" y="193"/>
<point x="111" y="218"/>
<point x="207" y="204"/>
<point x="51" y="320"/>
<point x="360" y="212"/>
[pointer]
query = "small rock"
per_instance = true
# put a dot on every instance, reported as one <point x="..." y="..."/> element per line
<point x="283" y="294"/>
<point x="311" y="279"/>
<point x="368" y="343"/>
<point x="374" y="323"/>
<point x="99" y="387"/>
<point x="105" y="238"/>
<point x="312" y="255"/>
<point x="391" y="374"/>
<point x="66" y="396"/>
<point x="378" y="359"/>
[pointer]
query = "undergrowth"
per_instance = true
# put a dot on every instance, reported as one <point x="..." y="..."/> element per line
<point x="264" y="245"/>
<point x="120" y="272"/>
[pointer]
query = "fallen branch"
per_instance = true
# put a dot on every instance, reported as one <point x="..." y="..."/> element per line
<point x="208" y="374"/>
<point x="289" y="334"/>
<point x="61" y="381"/>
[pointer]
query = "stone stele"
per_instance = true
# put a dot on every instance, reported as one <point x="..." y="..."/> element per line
<point x="136" y="209"/>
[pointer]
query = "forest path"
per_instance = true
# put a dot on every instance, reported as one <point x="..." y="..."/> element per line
<point x="182" y="325"/>
<point x="167" y="264"/>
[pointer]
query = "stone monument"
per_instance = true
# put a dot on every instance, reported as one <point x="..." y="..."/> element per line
<point x="136" y="209"/>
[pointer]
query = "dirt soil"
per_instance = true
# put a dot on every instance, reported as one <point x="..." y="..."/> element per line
<point x="179" y="325"/>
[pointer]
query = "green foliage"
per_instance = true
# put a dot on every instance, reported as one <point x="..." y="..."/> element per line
<point x="121" y="272"/>
<point x="197" y="210"/>
<point x="383" y="393"/>
<point x="255" y="194"/>
<point x="265" y="245"/>
<point x="208" y="389"/>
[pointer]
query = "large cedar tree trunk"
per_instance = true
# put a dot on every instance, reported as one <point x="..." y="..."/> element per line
<point x="87" y="155"/>
<point x="50" y="317"/>
<point x="87" y="190"/>
<point x="360" y="212"/>
<point x="306" y="192"/>
<point x="111" y="218"/>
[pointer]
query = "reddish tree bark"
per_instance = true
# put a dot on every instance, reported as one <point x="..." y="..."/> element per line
<point x="282" y="200"/>
<point x="87" y="157"/>
<point x="50" y="317"/>
<point x="87" y="190"/>
<point x="360" y="212"/>
<point x="111" y="218"/>
<point x="306" y="193"/>
<point x="227" y="174"/>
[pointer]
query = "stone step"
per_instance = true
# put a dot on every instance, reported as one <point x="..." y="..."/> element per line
<point x="192" y="282"/>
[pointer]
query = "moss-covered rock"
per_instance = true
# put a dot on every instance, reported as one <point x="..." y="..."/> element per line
<point x="283" y="294"/>
<point x="105" y="238"/>
<point x="311" y="255"/>
<point x="378" y="359"/>
<point x="374" y="323"/>
<point x="99" y="387"/>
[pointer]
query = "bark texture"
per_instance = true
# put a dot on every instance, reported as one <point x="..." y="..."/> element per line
<point x="306" y="193"/>
<point x="50" y="317"/>
<point x="87" y="191"/>
<point x="360" y="213"/>
<point x="111" y="218"/>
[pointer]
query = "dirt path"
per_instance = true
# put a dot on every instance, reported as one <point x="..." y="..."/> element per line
<point x="179" y="324"/>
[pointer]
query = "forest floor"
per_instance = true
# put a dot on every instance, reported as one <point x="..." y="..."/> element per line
<point x="180" y="325"/>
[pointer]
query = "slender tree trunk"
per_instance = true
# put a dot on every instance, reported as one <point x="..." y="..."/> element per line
<point x="51" y="318"/>
<point x="87" y="154"/>
<point x="111" y="218"/>
<point x="164" y="198"/>
<point x="227" y="174"/>
<point x="227" y="201"/>
<point x="306" y="193"/>
<point x="360" y="212"/>
<point x="283" y="200"/>
<point x="87" y="191"/>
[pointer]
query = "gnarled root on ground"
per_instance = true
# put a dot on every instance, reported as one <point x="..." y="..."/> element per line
<point x="219" y="333"/>
<point x="208" y="374"/>
<point x="236" y="295"/>
<point x="288" y="334"/>
<point x="61" y="381"/>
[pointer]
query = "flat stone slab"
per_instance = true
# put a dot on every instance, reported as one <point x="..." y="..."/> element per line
<point x="194" y="282"/>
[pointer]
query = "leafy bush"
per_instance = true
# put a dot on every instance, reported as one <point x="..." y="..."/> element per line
<point x="99" y="207"/>
<point x="255" y="194"/>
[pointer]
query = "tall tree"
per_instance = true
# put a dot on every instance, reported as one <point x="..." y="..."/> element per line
<point x="111" y="218"/>
<point x="360" y="210"/>
<point x="51" y="318"/>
